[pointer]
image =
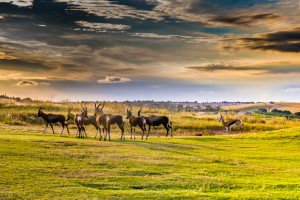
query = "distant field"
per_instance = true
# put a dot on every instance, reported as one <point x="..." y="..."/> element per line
<point x="184" y="123"/>
<point x="293" y="107"/>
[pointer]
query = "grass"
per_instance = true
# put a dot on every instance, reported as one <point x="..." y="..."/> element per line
<point x="261" y="165"/>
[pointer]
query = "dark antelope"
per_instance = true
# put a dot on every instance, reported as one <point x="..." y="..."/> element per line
<point x="79" y="120"/>
<point x="155" y="121"/>
<point x="228" y="125"/>
<point x="52" y="119"/>
<point x="90" y="120"/>
<point x="136" y="121"/>
<point x="106" y="120"/>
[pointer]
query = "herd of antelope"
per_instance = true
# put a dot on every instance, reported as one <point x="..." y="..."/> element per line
<point x="103" y="122"/>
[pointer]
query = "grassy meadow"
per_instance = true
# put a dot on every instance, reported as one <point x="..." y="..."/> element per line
<point x="262" y="162"/>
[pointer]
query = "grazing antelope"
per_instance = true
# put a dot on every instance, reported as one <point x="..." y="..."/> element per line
<point x="155" y="121"/>
<point x="136" y="121"/>
<point x="79" y="120"/>
<point x="106" y="120"/>
<point x="52" y="119"/>
<point x="91" y="120"/>
<point x="228" y="125"/>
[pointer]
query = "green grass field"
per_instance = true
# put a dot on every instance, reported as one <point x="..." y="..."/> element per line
<point x="262" y="165"/>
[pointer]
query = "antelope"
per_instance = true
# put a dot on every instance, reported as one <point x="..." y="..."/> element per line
<point x="155" y="121"/>
<point x="79" y="120"/>
<point x="228" y="125"/>
<point x="136" y="121"/>
<point x="91" y="120"/>
<point x="106" y="120"/>
<point x="52" y="119"/>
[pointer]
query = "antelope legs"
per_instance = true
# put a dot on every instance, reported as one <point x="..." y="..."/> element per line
<point x="121" y="126"/>
<point x="63" y="127"/>
<point x="45" y="128"/>
<point x="107" y="134"/>
<point x="52" y="128"/>
<point x="156" y="131"/>
<point x="67" y="129"/>
<point x="167" y="128"/>
<point x="132" y="131"/>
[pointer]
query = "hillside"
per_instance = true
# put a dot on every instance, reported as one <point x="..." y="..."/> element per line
<point x="290" y="106"/>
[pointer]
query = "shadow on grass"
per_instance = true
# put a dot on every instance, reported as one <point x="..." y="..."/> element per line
<point x="99" y="186"/>
<point x="173" y="148"/>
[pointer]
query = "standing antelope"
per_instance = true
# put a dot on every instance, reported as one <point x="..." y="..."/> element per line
<point x="136" y="121"/>
<point x="52" y="119"/>
<point x="228" y="125"/>
<point x="79" y="120"/>
<point x="90" y="120"/>
<point x="106" y="120"/>
<point x="155" y="121"/>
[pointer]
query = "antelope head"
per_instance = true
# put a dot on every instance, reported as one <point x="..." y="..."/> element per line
<point x="139" y="112"/>
<point x="39" y="112"/>
<point x="129" y="113"/>
<point x="84" y="111"/>
<point x="98" y="109"/>
<point x="221" y="118"/>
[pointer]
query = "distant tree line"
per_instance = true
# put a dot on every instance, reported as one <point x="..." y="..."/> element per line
<point x="277" y="112"/>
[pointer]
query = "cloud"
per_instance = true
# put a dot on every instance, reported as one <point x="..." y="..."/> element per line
<point x="115" y="10"/>
<point x="23" y="65"/>
<point x="282" y="41"/>
<point x="31" y="83"/>
<point x="264" y="68"/>
<point x="218" y="66"/>
<point x="22" y="3"/>
<point x="292" y="90"/>
<point x="245" y="20"/>
<point x="102" y="27"/>
<point x="114" y="79"/>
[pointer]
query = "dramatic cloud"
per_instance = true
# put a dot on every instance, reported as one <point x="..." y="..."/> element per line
<point x="283" y="41"/>
<point x="245" y="20"/>
<point x="30" y="83"/>
<point x="114" y="79"/>
<point x="71" y="43"/>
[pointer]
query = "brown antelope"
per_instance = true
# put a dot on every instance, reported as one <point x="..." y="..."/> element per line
<point x="52" y="119"/>
<point x="106" y="120"/>
<point x="228" y="125"/>
<point x="91" y="120"/>
<point x="136" y="121"/>
<point x="79" y="120"/>
<point x="155" y="121"/>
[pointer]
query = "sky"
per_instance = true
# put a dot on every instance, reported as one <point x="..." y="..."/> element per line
<point x="178" y="50"/>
